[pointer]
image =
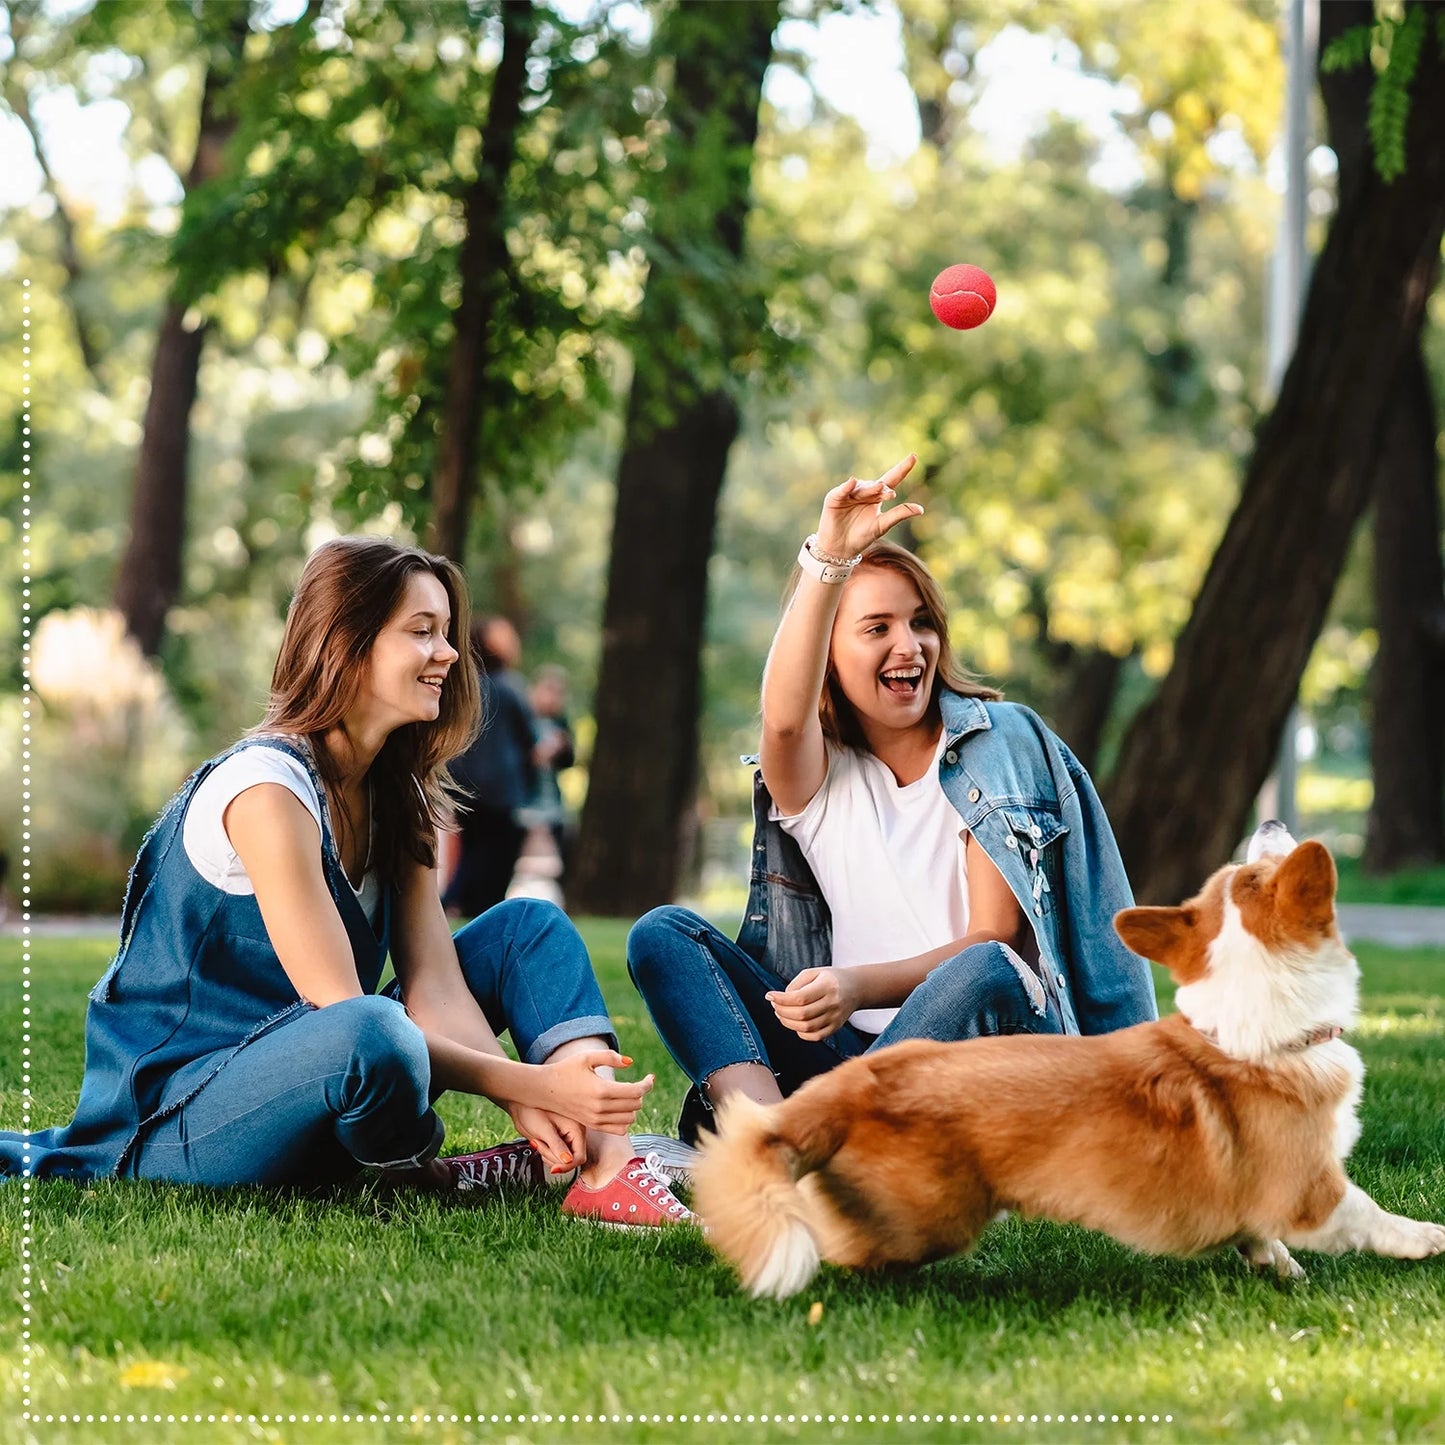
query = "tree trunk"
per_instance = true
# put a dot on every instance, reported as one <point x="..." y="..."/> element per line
<point x="1197" y="754"/>
<point x="149" y="579"/>
<point x="1407" y="684"/>
<point x="483" y="264"/>
<point x="1081" y="711"/>
<point x="679" y="432"/>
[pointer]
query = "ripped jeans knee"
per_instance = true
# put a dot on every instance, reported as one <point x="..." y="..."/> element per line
<point x="987" y="989"/>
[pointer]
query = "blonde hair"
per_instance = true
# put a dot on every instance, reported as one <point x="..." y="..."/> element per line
<point x="349" y="589"/>
<point x="835" y="713"/>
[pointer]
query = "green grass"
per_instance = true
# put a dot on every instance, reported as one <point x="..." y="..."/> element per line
<point x="1410" y="885"/>
<point x="161" y="1302"/>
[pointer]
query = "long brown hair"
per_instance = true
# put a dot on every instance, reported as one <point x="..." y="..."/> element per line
<point x="349" y="589"/>
<point x="835" y="712"/>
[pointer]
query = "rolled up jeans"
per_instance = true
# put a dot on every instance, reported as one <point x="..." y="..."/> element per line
<point x="350" y="1084"/>
<point x="708" y="1000"/>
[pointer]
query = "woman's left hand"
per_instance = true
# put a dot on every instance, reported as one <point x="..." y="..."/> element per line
<point x="562" y="1143"/>
<point x="817" y="1003"/>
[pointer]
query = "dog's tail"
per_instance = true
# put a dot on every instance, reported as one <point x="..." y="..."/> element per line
<point x="745" y="1188"/>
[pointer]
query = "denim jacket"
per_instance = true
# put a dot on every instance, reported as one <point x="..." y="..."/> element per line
<point x="1032" y="808"/>
<point x="195" y="980"/>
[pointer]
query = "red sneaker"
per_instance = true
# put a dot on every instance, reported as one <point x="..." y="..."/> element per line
<point x="637" y="1197"/>
<point x="516" y="1164"/>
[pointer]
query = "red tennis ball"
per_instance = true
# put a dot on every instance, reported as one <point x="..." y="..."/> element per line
<point x="963" y="297"/>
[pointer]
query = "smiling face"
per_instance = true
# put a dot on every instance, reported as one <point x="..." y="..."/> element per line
<point x="884" y="650"/>
<point x="408" y="663"/>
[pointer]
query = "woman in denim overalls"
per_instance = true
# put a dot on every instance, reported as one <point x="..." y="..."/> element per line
<point x="238" y="1037"/>
<point x="898" y="802"/>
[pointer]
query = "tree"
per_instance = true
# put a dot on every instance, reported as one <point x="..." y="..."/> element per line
<point x="1406" y="823"/>
<point x="1077" y="453"/>
<point x="483" y="265"/>
<point x="1195" y="756"/>
<point x="149" y="577"/>
<point x="15" y="90"/>
<point x="484" y="206"/>
<point x="682" y="420"/>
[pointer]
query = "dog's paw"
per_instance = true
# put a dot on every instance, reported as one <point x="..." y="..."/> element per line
<point x="1414" y="1238"/>
<point x="1286" y="1266"/>
<point x="1269" y="1256"/>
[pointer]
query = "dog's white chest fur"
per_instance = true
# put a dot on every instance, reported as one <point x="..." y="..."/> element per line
<point x="1337" y="1055"/>
<point x="1256" y="1001"/>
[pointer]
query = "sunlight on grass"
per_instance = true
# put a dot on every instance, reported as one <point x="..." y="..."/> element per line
<point x="164" y="1302"/>
<point x="1413" y="1026"/>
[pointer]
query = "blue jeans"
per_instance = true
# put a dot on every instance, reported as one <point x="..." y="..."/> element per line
<point x="708" y="1001"/>
<point x="350" y="1084"/>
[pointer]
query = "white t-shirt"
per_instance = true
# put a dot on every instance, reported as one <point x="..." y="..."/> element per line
<point x="889" y="860"/>
<point x="204" y="836"/>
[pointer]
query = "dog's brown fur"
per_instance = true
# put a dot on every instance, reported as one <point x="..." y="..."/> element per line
<point x="1154" y="1134"/>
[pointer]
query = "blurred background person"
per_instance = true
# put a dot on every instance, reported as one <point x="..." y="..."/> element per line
<point x="555" y="752"/>
<point x="544" y="820"/>
<point x="497" y="773"/>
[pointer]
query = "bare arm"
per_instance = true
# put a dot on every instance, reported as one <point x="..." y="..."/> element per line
<point x="464" y="1051"/>
<point x="819" y="1000"/>
<point x="794" y="763"/>
<point x="279" y="844"/>
<point x="278" y="841"/>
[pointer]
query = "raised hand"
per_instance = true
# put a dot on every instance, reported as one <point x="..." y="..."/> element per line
<point x="853" y="515"/>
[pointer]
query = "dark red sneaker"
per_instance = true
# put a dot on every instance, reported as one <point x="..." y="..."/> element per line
<point x="637" y="1197"/>
<point x="516" y="1165"/>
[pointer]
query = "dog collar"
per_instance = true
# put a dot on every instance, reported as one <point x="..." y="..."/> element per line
<point x="1322" y="1035"/>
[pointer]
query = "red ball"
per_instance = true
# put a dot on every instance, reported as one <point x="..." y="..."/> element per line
<point x="963" y="297"/>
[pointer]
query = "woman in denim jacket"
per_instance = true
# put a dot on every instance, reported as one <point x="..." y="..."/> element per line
<point x="238" y="1037"/>
<point x="928" y="861"/>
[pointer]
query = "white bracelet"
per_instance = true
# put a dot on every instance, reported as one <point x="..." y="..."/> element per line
<point x="833" y="570"/>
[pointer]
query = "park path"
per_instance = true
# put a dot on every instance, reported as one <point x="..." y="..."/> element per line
<point x="1399" y="925"/>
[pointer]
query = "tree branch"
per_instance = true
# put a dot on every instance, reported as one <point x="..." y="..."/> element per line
<point x="18" y="101"/>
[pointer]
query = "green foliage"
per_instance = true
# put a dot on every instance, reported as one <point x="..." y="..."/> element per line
<point x="1390" y="98"/>
<point x="1350" y="49"/>
<point x="1080" y="451"/>
<point x="1394" y="43"/>
<point x="169" y="1301"/>
<point x="1414" y="887"/>
<point x="353" y="169"/>
<point x="701" y="328"/>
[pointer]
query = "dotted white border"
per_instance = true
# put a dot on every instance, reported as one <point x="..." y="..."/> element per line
<point x="227" y="1418"/>
<point x="25" y="839"/>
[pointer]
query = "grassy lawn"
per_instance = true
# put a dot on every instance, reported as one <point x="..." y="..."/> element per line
<point x="162" y="1302"/>
<point x="1425" y="886"/>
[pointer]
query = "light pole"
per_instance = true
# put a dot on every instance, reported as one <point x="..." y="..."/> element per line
<point x="1286" y="296"/>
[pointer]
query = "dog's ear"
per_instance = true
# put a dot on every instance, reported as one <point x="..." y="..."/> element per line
<point x="1304" y="886"/>
<point x="1157" y="933"/>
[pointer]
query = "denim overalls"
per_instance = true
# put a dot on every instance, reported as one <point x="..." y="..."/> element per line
<point x="196" y="980"/>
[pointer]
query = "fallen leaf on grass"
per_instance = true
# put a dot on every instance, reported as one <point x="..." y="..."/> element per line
<point x="152" y="1374"/>
<point x="815" y="1312"/>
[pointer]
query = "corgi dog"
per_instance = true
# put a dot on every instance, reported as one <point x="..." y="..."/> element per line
<point x="1224" y="1123"/>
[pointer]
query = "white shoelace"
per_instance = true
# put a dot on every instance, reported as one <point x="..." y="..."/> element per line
<point x="658" y="1185"/>
<point x="510" y="1167"/>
